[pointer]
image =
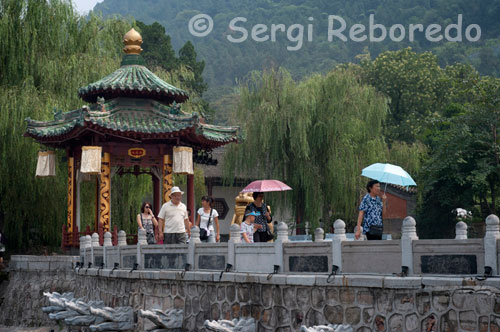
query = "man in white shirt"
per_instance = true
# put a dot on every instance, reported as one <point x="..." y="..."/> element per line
<point x="173" y="219"/>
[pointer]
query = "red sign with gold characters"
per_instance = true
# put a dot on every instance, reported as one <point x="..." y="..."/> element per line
<point x="136" y="152"/>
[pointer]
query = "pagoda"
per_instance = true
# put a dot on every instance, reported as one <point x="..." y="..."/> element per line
<point x="134" y="121"/>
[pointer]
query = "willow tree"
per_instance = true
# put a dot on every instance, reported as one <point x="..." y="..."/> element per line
<point x="316" y="135"/>
<point x="48" y="51"/>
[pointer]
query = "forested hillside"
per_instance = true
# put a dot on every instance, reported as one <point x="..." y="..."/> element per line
<point x="227" y="62"/>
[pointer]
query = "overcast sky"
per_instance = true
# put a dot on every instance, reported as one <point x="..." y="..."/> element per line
<point x="84" y="6"/>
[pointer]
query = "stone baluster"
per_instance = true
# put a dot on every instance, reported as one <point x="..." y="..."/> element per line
<point x="282" y="232"/>
<point x="408" y="235"/>
<point x="122" y="238"/>
<point x="362" y="236"/>
<point x="142" y="240"/>
<point x="461" y="231"/>
<point x="195" y="234"/>
<point x="234" y="237"/>
<point x="234" y="233"/>
<point x="490" y="243"/>
<point x="195" y="238"/>
<point x="338" y="238"/>
<point x="107" y="240"/>
<point x="82" y="242"/>
<point x="88" y="242"/>
<point x="95" y="240"/>
<point x="278" y="245"/>
<point x="141" y="237"/>
<point x="319" y="235"/>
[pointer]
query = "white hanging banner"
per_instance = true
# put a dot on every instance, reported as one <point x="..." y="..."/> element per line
<point x="91" y="159"/>
<point x="183" y="160"/>
<point x="46" y="165"/>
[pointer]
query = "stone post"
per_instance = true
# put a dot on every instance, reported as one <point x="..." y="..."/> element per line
<point x="278" y="245"/>
<point x="408" y="235"/>
<point x="141" y="237"/>
<point x="195" y="238"/>
<point x="141" y="241"/>
<point x="338" y="237"/>
<point x="234" y="237"/>
<point x="461" y="231"/>
<point x="95" y="240"/>
<point x="362" y="236"/>
<point x="88" y="242"/>
<point x="83" y="247"/>
<point x="107" y="243"/>
<point x="107" y="240"/>
<point x="282" y="232"/>
<point x="490" y="243"/>
<point x="319" y="235"/>
<point x="122" y="238"/>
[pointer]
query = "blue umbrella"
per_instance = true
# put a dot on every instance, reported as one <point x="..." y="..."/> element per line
<point x="388" y="173"/>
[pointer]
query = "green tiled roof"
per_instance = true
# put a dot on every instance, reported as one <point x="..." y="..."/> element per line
<point x="133" y="79"/>
<point x="135" y="117"/>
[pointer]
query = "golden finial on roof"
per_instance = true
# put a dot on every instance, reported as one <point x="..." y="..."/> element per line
<point x="132" y="41"/>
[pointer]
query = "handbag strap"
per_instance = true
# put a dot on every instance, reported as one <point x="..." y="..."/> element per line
<point x="209" y="218"/>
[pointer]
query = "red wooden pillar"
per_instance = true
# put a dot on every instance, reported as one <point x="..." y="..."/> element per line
<point x="190" y="196"/>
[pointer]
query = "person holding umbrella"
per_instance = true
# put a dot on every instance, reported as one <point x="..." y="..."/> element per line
<point x="262" y="217"/>
<point x="372" y="207"/>
<point x="371" y="210"/>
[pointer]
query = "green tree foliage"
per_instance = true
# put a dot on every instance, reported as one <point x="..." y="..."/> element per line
<point x="463" y="169"/>
<point x="414" y="83"/>
<point x="158" y="50"/>
<point x="187" y="56"/>
<point x="47" y="53"/>
<point x="159" y="54"/>
<point x="317" y="134"/>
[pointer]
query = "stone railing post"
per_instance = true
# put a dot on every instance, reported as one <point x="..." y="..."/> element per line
<point x="88" y="241"/>
<point x="461" y="231"/>
<point x="282" y="232"/>
<point x="141" y="237"/>
<point x="122" y="238"/>
<point x="107" y="240"/>
<point x="278" y="245"/>
<point x="94" y="243"/>
<point x="83" y="247"/>
<point x="141" y="241"/>
<point x="408" y="234"/>
<point x="95" y="240"/>
<point x="195" y="238"/>
<point x="107" y="243"/>
<point x="362" y="236"/>
<point x="490" y="243"/>
<point x="338" y="238"/>
<point x="234" y="237"/>
<point x="319" y="235"/>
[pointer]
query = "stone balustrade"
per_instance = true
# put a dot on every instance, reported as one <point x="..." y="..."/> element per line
<point x="408" y="255"/>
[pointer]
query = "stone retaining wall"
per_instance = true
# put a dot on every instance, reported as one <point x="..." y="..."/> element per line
<point x="279" y="303"/>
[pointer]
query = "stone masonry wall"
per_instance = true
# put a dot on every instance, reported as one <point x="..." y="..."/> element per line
<point x="287" y="307"/>
<point x="281" y="303"/>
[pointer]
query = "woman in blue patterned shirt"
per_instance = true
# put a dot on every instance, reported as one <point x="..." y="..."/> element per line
<point x="371" y="210"/>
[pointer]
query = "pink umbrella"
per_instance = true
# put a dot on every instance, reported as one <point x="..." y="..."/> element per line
<point x="266" y="186"/>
